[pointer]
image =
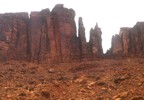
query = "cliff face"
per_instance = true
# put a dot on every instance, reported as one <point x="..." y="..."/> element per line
<point x="65" y="33"/>
<point x="14" y="38"/>
<point x="46" y="37"/>
<point x="82" y="40"/>
<point x="42" y="39"/>
<point x="129" y="40"/>
<point x="96" y="41"/>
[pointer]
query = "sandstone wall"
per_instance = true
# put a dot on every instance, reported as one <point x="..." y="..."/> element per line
<point x="47" y="36"/>
<point x="129" y="40"/>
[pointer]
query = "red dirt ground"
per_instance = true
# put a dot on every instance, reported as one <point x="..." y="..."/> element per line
<point x="104" y="79"/>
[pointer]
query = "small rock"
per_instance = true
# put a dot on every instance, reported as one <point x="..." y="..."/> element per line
<point x="80" y="80"/>
<point x="51" y="70"/>
<point x="45" y="94"/>
<point x="64" y="93"/>
<point x="115" y="97"/>
<point x="124" y="94"/>
<point x="62" y="78"/>
<point x="120" y="96"/>
<point x="139" y="84"/>
<point x="91" y="83"/>
<point x="9" y="96"/>
<point x="19" y="85"/>
<point x="118" y="80"/>
<point x="101" y="83"/>
<point x="104" y="89"/>
<point x="99" y="98"/>
<point x="56" y="83"/>
<point x="32" y="72"/>
<point x="137" y="98"/>
<point x="112" y="87"/>
<point x="118" y="99"/>
<point x="31" y="82"/>
<point x="22" y="94"/>
<point x="31" y="88"/>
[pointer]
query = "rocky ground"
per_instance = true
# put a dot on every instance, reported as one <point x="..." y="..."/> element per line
<point x="103" y="79"/>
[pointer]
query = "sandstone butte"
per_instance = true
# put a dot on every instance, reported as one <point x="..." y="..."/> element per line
<point x="51" y="36"/>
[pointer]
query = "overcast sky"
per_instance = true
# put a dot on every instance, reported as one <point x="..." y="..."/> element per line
<point x="110" y="14"/>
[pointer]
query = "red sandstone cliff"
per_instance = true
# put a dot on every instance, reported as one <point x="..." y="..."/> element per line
<point x="96" y="41"/>
<point x="42" y="40"/>
<point x="14" y="39"/>
<point x="82" y="40"/>
<point x="65" y="33"/>
<point x="129" y="40"/>
<point x="47" y="37"/>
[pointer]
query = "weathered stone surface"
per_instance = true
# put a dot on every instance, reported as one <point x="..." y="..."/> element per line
<point x="14" y="39"/>
<point x="48" y="29"/>
<point x="116" y="44"/>
<point x="65" y="33"/>
<point x="47" y="37"/>
<point x="96" y="41"/>
<point x="36" y="34"/>
<point x="129" y="40"/>
<point x="42" y="36"/>
<point x="124" y="35"/>
<point x="140" y="37"/>
<point x="134" y="41"/>
<point x="82" y="38"/>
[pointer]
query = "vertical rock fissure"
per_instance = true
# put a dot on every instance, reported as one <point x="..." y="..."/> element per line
<point x="39" y="50"/>
<point x="28" y="50"/>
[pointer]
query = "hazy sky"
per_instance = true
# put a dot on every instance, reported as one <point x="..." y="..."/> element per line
<point x="110" y="14"/>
